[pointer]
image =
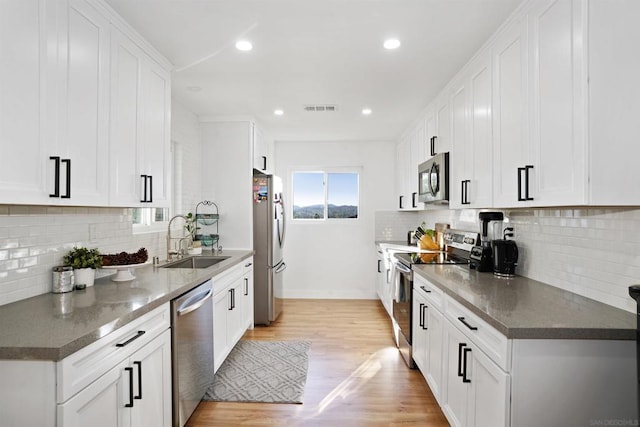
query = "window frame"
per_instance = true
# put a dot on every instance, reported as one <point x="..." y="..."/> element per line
<point x="325" y="171"/>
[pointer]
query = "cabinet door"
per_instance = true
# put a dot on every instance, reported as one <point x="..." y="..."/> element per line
<point x="420" y="329"/>
<point x="125" y="137"/>
<point x="262" y="151"/>
<point x="152" y="375"/>
<point x="456" y="392"/>
<point x="462" y="159"/>
<point x="489" y="397"/>
<point x="443" y="124"/>
<point x="101" y="404"/>
<point x="83" y="113"/>
<point x="155" y="152"/>
<point x="434" y="358"/>
<point x="247" y="296"/>
<point x="557" y="93"/>
<point x="431" y="145"/>
<point x="479" y="142"/>
<point x="403" y="155"/>
<point x="235" y="323"/>
<point x="510" y="119"/>
<point x="221" y="305"/>
<point x="23" y="82"/>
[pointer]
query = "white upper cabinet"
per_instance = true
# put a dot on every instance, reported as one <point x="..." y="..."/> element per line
<point x="263" y="155"/>
<point x="471" y="161"/>
<point x="510" y="113"/>
<point x="25" y="66"/>
<point x="614" y="102"/>
<point x="79" y="167"/>
<point x="403" y="165"/>
<point x="442" y="141"/>
<point x="83" y="108"/>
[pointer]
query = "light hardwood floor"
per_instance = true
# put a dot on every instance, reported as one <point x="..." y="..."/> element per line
<point x="356" y="376"/>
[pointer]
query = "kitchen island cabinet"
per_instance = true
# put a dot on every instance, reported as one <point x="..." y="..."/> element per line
<point x="514" y="352"/>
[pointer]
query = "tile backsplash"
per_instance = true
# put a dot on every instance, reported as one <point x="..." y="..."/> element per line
<point x="33" y="239"/>
<point x="594" y="252"/>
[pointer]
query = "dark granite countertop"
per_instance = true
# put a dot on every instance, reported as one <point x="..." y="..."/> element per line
<point x="522" y="308"/>
<point x="53" y="326"/>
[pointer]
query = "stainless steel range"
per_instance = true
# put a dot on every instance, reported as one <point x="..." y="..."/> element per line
<point x="458" y="246"/>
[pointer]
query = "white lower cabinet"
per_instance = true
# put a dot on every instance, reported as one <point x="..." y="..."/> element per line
<point x="137" y="392"/>
<point x="232" y="299"/>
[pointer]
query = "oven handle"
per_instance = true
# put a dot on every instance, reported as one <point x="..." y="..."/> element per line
<point x="400" y="266"/>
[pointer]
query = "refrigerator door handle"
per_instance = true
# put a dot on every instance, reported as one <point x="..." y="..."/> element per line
<point x="280" y="267"/>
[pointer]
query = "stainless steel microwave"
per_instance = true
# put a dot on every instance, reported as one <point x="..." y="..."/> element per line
<point x="433" y="179"/>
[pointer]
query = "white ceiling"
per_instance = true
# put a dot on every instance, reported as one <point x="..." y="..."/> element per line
<point x="315" y="52"/>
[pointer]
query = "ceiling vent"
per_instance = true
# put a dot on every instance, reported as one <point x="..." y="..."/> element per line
<point x="321" y="107"/>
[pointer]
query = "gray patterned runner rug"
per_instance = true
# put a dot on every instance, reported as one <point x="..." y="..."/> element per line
<point x="262" y="371"/>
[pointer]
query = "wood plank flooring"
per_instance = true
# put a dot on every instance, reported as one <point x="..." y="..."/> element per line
<point x="356" y="376"/>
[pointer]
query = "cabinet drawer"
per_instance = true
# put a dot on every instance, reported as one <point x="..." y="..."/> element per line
<point x="485" y="336"/>
<point x="223" y="280"/>
<point x="84" y="366"/>
<point x="432" y="293"/>
<point x="247" y="266"/>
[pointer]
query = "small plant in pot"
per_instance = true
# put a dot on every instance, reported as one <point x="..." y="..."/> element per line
<point x="84" y="262"/>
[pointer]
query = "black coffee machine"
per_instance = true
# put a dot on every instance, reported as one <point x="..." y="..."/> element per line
<point x="481" y="257"/>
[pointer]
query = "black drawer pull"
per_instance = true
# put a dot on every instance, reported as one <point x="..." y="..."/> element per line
<point x="473" y="328"/>
<point x="139" y="365"/>
<point x="130" y="404"/>
<point x="425" y="289"/>
<point x="133" y="338"/>
<point x="464" y="364"/>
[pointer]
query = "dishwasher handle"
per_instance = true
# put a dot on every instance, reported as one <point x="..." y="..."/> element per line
<point x="194" y="302"/>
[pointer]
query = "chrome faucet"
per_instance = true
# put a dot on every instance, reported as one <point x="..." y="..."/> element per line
<point x="180" y="251"/>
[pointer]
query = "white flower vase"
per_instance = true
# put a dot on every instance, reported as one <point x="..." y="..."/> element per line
<point x="84" y="276"/>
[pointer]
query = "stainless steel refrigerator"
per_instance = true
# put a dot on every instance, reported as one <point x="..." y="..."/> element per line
<point x="268" y="241"/>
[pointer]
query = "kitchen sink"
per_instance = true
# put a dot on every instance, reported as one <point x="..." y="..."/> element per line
<point x="196" y="262"/>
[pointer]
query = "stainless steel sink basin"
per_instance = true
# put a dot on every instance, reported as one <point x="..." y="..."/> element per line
<point x="196" y="262"/>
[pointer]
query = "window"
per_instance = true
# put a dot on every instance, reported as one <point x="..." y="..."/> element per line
<point x="325" y="195"/>
<point x="149" y="218"/>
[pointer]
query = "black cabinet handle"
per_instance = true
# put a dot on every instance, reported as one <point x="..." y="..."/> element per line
<point x="150" y="189"/>
<point x="264" y="163"/>
<point x="423" y="315"/>
<point x="246" y="286"/>
<point x="433" y="145"/>
<point x="230" y="299"/>
<point x="464" y="365"/>
<point x="461" y="346"/>
<point x="67" y="195"/>
<point x="56" y="173"/>
<point x="139" y="365"/>
<point x="130" y="404"/>
<point x="464" y="322"/>
<point x="400" y="202"/>
<point x="527" y="168"/>
<point x="425" y="289"/>
<point x="524" y="171"/>
<point x="465" y="192"/>
<point x="133" y="338"/>
<point x="144" y="192"/>
<point x="249" y="264"/>
<point x="413" y="200"/>
<point x="379" y="265"/>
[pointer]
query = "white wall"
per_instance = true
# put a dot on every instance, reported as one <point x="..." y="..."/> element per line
<point x="336" y="259"/>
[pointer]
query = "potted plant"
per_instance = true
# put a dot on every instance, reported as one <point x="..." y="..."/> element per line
<point x="84" y="262"/>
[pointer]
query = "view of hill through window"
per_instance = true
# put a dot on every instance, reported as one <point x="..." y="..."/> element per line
<point x="321" y="195"/>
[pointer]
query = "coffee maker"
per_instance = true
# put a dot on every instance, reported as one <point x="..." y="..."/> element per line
<point x="505" y="255"/>
<point x="481" y="257"/>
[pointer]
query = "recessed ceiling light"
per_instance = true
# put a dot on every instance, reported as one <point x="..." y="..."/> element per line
<point x="278" y="112"/>
<point x="366" y="111"/>
<point x="391" y="44"/>
<point x="244" y="45"/>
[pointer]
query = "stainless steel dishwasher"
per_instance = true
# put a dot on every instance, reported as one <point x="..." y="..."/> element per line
<point x="192" y="350"/>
